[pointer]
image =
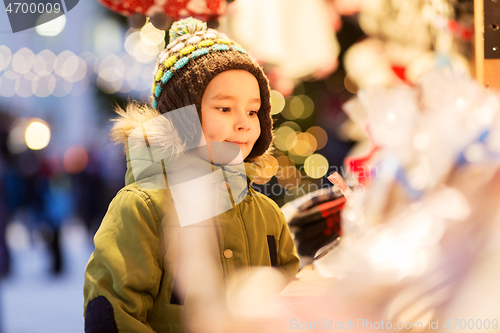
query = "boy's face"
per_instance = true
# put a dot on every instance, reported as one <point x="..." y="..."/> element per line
<point x="229" y="109"/>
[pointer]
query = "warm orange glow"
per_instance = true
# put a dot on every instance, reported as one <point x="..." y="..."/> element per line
<point x="75" y="159"/>
<point x="320" y="135"/>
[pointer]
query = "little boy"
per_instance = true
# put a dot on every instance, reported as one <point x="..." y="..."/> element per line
<point x="131" y="280"/>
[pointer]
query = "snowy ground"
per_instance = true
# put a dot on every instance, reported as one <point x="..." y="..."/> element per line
<point x="33" y="301"/>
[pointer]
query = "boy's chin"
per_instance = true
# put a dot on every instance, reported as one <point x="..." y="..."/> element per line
<point x="224" y="153"/>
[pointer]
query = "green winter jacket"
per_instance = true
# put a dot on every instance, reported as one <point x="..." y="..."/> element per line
<point x="131" y="276"/>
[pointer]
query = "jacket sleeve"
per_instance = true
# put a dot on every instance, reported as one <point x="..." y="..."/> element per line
<point x="123" y="274"/>
<point x="288" y="259"/>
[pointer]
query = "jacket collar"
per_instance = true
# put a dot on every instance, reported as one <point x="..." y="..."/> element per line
<point x="150" y="144"/>
<point x="140" y="169"/>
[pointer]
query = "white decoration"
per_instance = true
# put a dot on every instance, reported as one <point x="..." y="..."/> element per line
<point x="164" y="57"/>
<point x="169" y="46"/>
<point x="194" y="40"/>
<point x="210" y="35"/>
<point x="178" y="47"/>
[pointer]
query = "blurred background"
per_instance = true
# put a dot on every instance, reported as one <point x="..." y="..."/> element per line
<point x="60" y="81"/>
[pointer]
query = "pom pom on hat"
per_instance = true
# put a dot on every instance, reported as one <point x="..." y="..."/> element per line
<point x="186" y="26"/>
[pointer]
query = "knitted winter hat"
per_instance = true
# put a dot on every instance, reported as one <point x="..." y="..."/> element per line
<point x="193" y="58"/>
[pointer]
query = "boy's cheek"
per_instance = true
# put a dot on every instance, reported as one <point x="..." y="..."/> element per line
<point x="212" y="130"/>
<point x="257" y="132"/>
<point x="214" y="134"/>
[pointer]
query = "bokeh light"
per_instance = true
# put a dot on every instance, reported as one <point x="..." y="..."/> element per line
<point x="320" y="135"/>
<point x="89" y="58"/>
<point x="66" y="64"/>
<point x="46" y="73"/>
<point x="111" y="68"/>
<point x="15" y="140"/>
<point x="290" y="140"/>
<point x="292" y="125"/>
<point x="288" y="176"/>
<point x="5" y="57"/>
<point x="75" y="159"/>
<point x="269" y="167"/>
<point x="286" y="167"/>
<point x="132" y="70"/>
<point x="308" y="106"/>
<point x="131" y="38"/>
<point x="110" y="74"/>
<point x="277" y="102"/>
<point x="52" y="27"/>
<point x="37" y="135"/>
<point x="281" y="135"/>
<point x="316" y="166"/>
<point x="23" y="60"/>
<point x="62" y="87"/>
<point x="304" y="144"/>
<point x="23" y="84"/>
<point x="294" y="105"/>
<point x="145" y="45"/>
<point x="44" y="63"/>
<point x="70" y="67"/>
<point x="292" y="182"/>
<point x="151" y="36"/>
<point x="80" y="72"/>
<point x="297" y="159"/>
<point x="298" y="107"/>
<point x="145" y="53"/>
<point x="349" y="85"/>
<point x="8" y="84"/>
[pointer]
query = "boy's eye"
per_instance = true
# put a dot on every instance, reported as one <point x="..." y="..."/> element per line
<point x="224" y="109"/>
<point x="252" y="113"/>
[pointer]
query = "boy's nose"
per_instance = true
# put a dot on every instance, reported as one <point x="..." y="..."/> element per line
<point x="242" y="122"/>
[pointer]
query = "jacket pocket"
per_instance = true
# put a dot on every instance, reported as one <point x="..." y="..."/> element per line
<point x="273" y="250"/>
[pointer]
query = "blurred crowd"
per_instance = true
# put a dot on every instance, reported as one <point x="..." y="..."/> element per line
<point x="38" y="192"/>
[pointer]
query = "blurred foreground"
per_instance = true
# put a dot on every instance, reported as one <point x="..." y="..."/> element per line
<point x="34" y="301"/>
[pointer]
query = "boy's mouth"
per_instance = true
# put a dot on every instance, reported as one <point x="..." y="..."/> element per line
<point x="239" y="143"/>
